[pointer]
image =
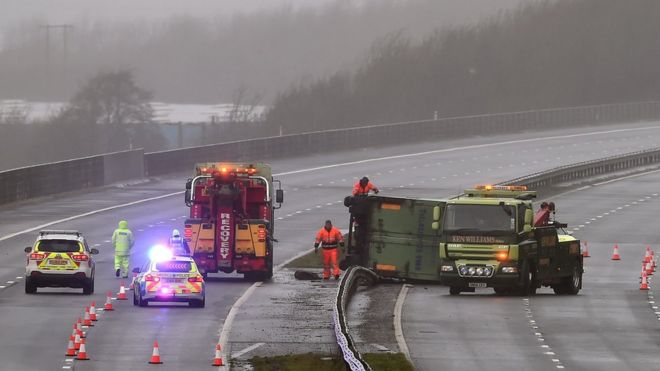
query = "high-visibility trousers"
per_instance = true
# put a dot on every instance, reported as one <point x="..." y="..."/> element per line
<point x="122" y="263"/>
<point x="330" y="257"/>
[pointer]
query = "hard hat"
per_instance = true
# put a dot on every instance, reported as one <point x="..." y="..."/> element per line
<point x="123" y="224"/>
<point x="176" y="233"/>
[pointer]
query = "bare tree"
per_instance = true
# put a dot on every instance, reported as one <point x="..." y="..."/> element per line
<point x="245" y="107"/>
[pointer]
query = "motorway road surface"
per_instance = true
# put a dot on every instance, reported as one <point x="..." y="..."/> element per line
<point x="610" y="325"/>
<point x="35" y="328"/>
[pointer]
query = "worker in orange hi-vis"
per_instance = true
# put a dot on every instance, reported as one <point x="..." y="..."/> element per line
<point x="363" y="187"/>
<point x="329" y="238"/>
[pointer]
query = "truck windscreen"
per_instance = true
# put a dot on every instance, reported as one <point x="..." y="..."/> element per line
<point x="480" y="218"/>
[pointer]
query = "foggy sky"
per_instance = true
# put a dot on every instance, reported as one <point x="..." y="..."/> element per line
<point x="63" y="11"/>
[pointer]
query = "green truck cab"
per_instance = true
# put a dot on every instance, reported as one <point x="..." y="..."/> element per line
<point x="485" y="238"/>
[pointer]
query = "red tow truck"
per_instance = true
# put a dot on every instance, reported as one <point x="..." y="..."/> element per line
<point x="231" y="220"/>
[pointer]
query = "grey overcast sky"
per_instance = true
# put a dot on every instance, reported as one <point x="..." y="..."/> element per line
<point x="61" y="11"/>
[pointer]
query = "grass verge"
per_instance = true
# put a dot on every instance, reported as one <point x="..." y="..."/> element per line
<point x="319" y="362"/>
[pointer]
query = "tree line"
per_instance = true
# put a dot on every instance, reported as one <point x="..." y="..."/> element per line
<point x="541" y="55"/>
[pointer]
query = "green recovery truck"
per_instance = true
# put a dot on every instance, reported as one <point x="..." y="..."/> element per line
<point x="484" y="238"/>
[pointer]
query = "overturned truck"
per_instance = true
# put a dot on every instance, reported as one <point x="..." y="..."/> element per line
<point x="485" y="238"/>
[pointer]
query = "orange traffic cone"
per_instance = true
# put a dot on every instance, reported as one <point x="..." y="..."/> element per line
<point x="155" y="355"/>
<point x="73" y="334"/>
<point x="71" y="349"/>
<point x="217" y="360"/>
<point x="87" y="321"/>
<point x="585" y="251"/>
<point x="79" y="328"/>
<point x="122" y="292"/>
<point x="82" y="353"/>
<point x="92" y="312"/>
<point x="76" y="342"/>
<point x="645" y="284"/>
<point x="615" y="253"/>
<point x="108" y="303"/>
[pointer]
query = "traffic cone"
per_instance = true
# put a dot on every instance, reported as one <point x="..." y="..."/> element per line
<point x="71" y="349"/>
<point x="76" y="342"/>
<point x="122" y="292"/>
<point x="87" y="321"/>
<point x="645" y="284"/>
<point x="647" y="255"/>
<point x="108" y="303"/>
<point x="82" y="353"/>
<point x="92" y="312"/>
<point x="649" y="269"/>
<point x="217" y="360"/>
<point x="585" y="251"/>
<point x="615" y="253"/>
<point x="155" y="355"/>
<point x="79" y="327"/>
<point x="73" y="333"/>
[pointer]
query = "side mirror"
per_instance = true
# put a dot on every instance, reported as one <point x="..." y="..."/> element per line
<point x="435" y="226"/>
<point x="94" y="251"/>
<point x="529" y="216"/>
<point x="136" y="270"/>
<point x="437" y="214"/>
<point x="28" y="249"/>
<point x="279" y="196"/>
<point x="188" y="192"/>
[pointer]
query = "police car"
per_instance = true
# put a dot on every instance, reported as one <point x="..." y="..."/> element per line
<point x="60" y="259"/>
<point x="168" y="278"/>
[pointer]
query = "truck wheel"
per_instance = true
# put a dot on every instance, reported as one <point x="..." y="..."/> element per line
<point x="453" y="290"/>
<point x="570" y="285"/>
<point x="528" y="286"/>
<point x="30" y="288"/>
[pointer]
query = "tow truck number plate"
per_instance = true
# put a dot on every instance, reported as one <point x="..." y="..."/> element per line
<point x="57" y="261"/>
<point x="477" y="284"/>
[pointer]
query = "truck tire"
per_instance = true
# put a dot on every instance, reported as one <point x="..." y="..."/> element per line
<point x="528" y="275"/>
<point x="454" y="290"/>
<point x="30" y="288"/>
<point x="570" y="285"/>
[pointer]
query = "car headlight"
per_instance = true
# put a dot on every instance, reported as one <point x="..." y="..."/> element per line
<point x="509" y="270"/>
<point x="480" y="271"/>
<point x="488" y="271"/>
<point x="463" y="270"/>
<point x="472" y="271"/>
<point x="447" y="268"/>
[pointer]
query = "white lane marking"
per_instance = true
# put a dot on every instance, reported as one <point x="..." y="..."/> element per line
<point x="398" y="328"/>
<point x="18" y="277"/>
<point x="48" y="224"/>
<point x="462" y="148"/>
<point x="10" y="282"/>
<point x="2" y="287"/>
<point x="229" y="321"/>
<point x="247" y="350"/>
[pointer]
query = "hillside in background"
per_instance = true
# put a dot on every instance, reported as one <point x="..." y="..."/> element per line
<point x="545" y="54"/>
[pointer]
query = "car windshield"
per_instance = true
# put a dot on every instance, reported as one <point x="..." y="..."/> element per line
<point x="58" y="246"/>
<point x="480" y="218"/>
<point x="174" y="266"/>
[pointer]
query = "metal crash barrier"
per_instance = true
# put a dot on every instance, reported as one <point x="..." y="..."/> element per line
<point x="352" y="278"/>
